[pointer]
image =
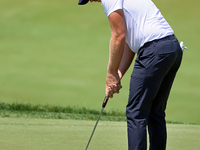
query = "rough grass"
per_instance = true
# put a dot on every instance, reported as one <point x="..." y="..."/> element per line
<point x="15" y="110"/>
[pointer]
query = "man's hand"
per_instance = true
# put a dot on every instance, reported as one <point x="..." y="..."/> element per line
<point x="113" y="84"/>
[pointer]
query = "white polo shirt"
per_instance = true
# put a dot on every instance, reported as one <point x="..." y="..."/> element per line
<point x="143" y="21"/>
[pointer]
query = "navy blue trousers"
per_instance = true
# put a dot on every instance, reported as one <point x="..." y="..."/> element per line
<point x="151" y="80"/>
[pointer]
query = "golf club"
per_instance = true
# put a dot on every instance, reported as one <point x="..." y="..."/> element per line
<point x="103" y="106"/>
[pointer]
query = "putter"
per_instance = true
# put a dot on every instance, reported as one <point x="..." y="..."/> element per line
<point x="103" y="106"/>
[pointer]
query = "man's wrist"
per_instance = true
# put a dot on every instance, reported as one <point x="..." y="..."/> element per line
<point x="112" y="71"/>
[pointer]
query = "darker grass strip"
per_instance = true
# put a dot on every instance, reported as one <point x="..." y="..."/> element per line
<point x="18" y="110"/>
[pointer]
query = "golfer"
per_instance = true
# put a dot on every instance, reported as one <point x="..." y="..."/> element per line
<point x="137" y="26"/>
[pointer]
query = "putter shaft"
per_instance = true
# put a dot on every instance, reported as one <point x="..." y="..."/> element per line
<point x="103" y="106"/>
<point x="94" y="128"/>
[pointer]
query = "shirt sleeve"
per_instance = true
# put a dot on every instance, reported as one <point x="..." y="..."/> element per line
<point x="111" y="5"/>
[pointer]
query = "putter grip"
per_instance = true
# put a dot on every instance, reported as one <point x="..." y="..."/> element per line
<point x="105" y="102"/>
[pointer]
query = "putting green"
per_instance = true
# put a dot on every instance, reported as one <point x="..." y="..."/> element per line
<point x="53" y="134"/>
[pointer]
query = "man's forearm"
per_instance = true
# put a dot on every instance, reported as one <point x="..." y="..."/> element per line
<point x="117" y="42"/>
<point x="126" y="60"/>
<point x="116" y="52"/>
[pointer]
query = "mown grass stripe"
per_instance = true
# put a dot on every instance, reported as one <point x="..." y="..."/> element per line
<point x="19" y="110"/>
<point x="56" y="112"/>
<point x="60" y="109"/>
<point x="54" y="115"/>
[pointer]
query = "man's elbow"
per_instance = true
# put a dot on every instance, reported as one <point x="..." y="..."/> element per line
<point x="123" y="37"/>
<point x="120" y="37"/>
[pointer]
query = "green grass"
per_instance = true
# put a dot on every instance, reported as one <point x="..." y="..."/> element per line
<point x="15" y="110"/>
<point x="55" y="53"/>
<point x="51" y="134"/>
